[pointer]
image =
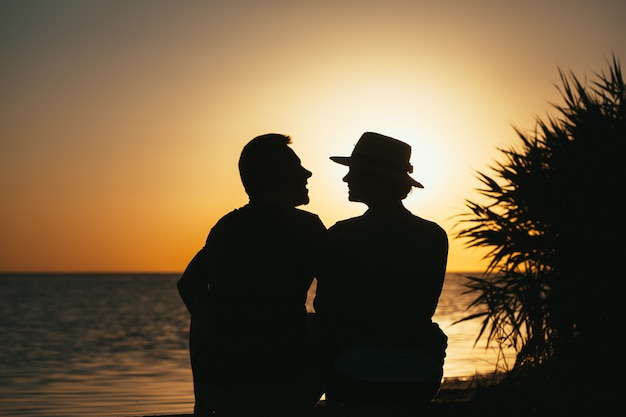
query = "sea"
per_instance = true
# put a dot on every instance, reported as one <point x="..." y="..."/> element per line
<point x="116" y="344"/>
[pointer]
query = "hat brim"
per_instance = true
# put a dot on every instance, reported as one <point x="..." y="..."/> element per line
<point x="345" y="160"/>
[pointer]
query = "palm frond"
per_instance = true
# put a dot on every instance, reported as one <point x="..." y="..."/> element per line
<point x="538" y="215"/>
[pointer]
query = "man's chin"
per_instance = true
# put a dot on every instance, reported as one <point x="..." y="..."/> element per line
<point x="302" y="201"/>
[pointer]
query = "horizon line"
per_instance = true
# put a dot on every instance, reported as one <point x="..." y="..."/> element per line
<point x="147" y="272"/>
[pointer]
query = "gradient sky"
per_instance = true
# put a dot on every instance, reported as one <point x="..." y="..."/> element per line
<point x="121" y="122"/>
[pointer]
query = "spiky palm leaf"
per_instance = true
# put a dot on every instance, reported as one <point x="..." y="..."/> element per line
<point x="550" y="274"/>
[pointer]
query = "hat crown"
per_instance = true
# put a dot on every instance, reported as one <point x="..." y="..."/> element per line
<point x="383" y="155"/>
<point x="383" y="151"/>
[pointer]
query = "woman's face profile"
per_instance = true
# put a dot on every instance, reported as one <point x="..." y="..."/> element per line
<point x="362" y="185"/>
<point x="370" y="188"/>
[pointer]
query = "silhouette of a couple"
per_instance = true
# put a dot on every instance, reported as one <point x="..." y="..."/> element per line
<point x="254" y="348"/>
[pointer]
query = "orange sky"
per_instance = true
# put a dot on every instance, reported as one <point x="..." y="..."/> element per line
<point x="121" y="122"/>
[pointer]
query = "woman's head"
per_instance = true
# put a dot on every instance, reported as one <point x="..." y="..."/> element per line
<point x="379" y="169"/>
<point x="371" y="188"/>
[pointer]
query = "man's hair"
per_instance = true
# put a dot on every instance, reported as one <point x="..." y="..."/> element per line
<point x="257" y="161"/>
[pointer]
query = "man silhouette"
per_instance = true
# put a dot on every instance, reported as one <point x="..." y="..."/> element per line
<point x="246" y="291"/>
<point x="377" y="296"/>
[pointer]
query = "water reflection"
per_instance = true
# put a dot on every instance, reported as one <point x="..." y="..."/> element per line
<point x="116" y="345"/>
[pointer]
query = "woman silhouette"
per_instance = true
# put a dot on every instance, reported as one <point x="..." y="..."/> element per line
<point x="381" y="286"/>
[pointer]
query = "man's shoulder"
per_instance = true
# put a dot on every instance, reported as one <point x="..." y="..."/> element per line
<point x="230" y="217"/>
<point x="250" y="214"/>
<point x="237" y="219"/>
<point x="307" y="219"/>
<point x="304" y="214"/>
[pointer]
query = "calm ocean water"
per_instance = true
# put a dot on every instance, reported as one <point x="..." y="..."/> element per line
<point x="116" y="344"/>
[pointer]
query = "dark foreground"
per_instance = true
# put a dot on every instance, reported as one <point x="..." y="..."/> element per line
<point x="462" y="409"/>
<point x="457" y="398"/>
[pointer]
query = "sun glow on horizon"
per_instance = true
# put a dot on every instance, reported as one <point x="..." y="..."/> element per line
<point x="122" y="123"/>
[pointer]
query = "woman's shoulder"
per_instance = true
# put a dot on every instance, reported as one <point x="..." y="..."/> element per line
<point x="426" y="225"/>
<point x="347" y="224"/>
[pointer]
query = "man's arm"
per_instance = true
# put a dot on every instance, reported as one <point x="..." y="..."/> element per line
<point x="192" y="284"/>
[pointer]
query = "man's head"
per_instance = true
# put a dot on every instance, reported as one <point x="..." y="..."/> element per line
<point x="271" y="171"/>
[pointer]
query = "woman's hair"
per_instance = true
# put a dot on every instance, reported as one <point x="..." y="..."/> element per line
<point x="394" y="190"/>
<point x="384" y="188"/>
<point x="257" y="161"/>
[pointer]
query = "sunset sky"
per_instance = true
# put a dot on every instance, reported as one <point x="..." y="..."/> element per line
<point x="121" y="122"/>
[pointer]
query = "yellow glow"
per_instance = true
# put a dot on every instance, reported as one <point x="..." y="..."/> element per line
<point x="121" y="125"/>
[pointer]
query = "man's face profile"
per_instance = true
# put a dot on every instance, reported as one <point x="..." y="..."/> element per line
<point x="289" y="179"/>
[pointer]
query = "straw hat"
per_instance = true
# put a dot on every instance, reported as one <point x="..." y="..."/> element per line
<point x="383" y="155"/>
